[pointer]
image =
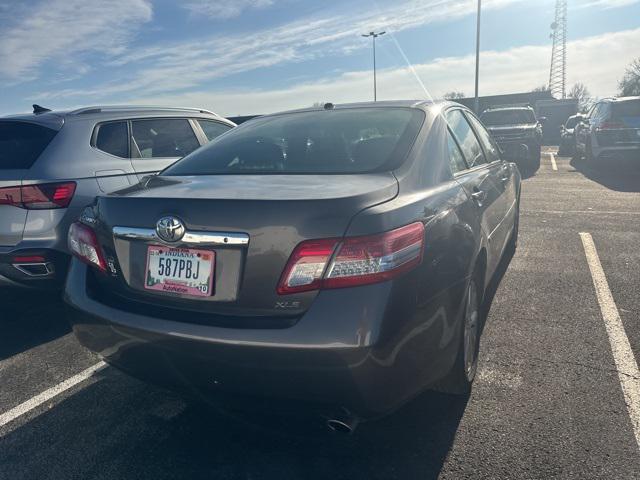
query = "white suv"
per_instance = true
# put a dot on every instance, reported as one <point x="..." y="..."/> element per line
<point x="611" y="128"/>
<point x="52" y="164"/>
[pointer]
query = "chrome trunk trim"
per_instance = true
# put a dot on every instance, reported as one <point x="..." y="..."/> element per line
<point x="189" y="238"/>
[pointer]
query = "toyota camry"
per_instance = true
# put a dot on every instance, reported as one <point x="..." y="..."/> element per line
<point x="334" y="257"/>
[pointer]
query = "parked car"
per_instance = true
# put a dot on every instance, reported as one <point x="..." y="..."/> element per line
<point x="53" y="164"/>
<point x="567" y="135"/>
<point x="334" y="257"/>
<point x="514" y="128"/>
<point x="610" y="129"/>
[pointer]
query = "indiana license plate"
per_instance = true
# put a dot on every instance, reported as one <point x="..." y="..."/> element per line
<point x="184" y="271"/>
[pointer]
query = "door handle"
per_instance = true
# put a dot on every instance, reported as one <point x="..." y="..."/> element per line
<point x="479" y="196"/>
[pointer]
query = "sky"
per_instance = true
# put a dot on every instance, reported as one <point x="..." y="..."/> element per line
<point x="241" y="57"/>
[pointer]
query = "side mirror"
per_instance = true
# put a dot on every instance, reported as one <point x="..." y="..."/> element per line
<point x="542" y="119"/>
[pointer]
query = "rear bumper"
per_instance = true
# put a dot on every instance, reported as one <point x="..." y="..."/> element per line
<point x="45" y="235"/>
<point x="617" y="151"/>
<point x="47" y="273"/>
<point x="352" y="349"/>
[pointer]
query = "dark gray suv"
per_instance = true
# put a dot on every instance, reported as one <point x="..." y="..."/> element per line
<point x="52" y="164"/>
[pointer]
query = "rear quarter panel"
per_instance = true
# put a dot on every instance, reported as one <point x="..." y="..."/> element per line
<point x="420" y="330"/>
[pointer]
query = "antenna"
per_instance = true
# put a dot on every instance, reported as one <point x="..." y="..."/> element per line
<point x="558" y="73"/>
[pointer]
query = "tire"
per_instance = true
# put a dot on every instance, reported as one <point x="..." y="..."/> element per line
<point x="460" y="378"/>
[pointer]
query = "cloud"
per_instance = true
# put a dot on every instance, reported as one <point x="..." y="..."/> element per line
<point x="189" y="64"/>
<point x="64" y="30"/>
<point x="507" y="71"/>
<point x="607" y="4"/>
<point x="224" y="9"/>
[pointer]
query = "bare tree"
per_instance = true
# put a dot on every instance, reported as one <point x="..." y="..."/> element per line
<point x="453" y="95"/>
<point x="580" y="92"/>
<point x="630" y="83"/>
<point x="541" y="88"/>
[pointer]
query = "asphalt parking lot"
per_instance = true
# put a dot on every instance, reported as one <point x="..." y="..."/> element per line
<point x="548" y="402"/>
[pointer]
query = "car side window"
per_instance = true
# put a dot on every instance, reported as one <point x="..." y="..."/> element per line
<point x="456" y="159"/>
<point x="164" y="137"/>
<point x="113" y="138"/>
<point x="213" y="129"/>
<point x="491" y="149"/>
<point x="466" y="138"/>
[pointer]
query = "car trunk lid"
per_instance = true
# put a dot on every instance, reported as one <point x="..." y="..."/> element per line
<point x="274" y="212"/>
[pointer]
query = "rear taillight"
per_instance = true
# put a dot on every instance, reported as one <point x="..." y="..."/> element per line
<point x="353" y="261"/>
<point x="40" y="196"/>
<point x="83" y="243"/>
<point x="11" y="196"/>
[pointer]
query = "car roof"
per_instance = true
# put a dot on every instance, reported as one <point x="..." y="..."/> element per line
<point x="419" y="104"/>
<point x="620" y="99"/>
<point x="110" y="112"/>
<point x="503" y="109"/>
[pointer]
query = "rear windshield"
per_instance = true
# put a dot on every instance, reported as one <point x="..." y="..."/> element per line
<point x="357" y="140"/>
<point x="22" y="143"/>
<point x="626" y="109"/>
<point x="508" y="117"/>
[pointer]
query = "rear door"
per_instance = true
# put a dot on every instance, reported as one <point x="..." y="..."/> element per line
<point x="157" y="143"/>
<point x="21" y="143"/>
<point x="480" y="179"/>
<point x="113" y="169"/>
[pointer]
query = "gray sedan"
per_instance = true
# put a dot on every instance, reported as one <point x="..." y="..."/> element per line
<point x="335" y="258"/>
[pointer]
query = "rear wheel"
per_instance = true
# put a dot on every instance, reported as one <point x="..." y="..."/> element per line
<point x="459" y="380"/>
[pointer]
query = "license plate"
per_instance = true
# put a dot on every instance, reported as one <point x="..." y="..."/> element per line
<point x="180" y="270"/>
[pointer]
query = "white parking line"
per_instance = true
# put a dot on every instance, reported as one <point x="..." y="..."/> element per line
<point x="626" y="364"/>
<point x="554" y="165"/>
<point x="47" y="395"/>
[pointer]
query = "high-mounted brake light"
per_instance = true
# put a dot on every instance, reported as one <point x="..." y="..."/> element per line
<point x="83" y="243"/>
<point x="39" y="196"/>
<point x="357" y="261"/>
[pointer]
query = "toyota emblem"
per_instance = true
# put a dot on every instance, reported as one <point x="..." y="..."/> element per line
<point x="170" y="229"/>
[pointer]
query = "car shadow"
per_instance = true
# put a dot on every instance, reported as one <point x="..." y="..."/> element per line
<point x="29" y="318"/>
<point x="121" y="428"/>
<point x="620" y="175"/>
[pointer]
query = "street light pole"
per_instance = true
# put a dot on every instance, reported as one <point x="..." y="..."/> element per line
<point x="373" y="36"/>
<point x="477" y="99"/>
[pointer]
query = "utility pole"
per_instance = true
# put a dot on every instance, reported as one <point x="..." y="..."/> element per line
<point x="373" y="36"/>
<point x="477" y="98"/>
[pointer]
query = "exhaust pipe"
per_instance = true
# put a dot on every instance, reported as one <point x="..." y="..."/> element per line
<point x="344" y="422"/>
